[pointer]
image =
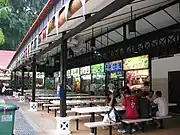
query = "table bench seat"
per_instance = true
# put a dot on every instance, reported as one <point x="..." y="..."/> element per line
<point x="130" y="121"/>
<point x="95" y="125"/>
<point x="160" y="119"/>
<point x="79" y="117"/>
<point x="100" y="124"/>
<point x="67" y="111"/>
<point x="48" y="105"/>
<point x="163" y="117"/>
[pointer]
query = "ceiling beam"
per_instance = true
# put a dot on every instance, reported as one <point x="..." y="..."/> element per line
<point x="108" y="10"/>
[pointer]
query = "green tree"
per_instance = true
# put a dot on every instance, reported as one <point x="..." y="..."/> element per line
<point x="4" y="14"/>
<point x="23" y="14"/>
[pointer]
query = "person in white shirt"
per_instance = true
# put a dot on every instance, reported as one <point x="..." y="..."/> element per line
<point x="162" y="106"/>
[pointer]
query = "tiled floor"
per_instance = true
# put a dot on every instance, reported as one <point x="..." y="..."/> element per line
<point x="45" y="124"/>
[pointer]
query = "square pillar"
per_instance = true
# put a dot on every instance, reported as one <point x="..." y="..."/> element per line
<point x="63" y="126"/>
<point x="22" y="82"/>
<point x="34" y="80"/>
<point x="33" y="104"/>
<point x="63" y="67"/>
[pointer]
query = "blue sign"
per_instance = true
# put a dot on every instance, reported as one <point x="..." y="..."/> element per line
<point x="59" y="91"/>
<point x="114" y="66"/>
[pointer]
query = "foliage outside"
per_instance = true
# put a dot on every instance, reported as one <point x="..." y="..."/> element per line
<point x="16" y="17"/>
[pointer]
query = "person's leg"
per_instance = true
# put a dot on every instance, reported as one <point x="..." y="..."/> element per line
<point x="123" y="126"/>
<point x="156" y="121"/>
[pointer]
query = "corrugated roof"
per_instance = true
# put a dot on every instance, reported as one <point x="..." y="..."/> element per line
<point x="5" y="58"/>
<point x="37" y="22"/>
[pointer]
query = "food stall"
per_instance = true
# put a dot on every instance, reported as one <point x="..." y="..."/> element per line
<point x="114" y="73"/>
<point x="98" y="76"/>
<point x="137" y="71"/>
<point x="76" y="79"/>
<point x="85" y="73"/>
<point x="40" y="76"/>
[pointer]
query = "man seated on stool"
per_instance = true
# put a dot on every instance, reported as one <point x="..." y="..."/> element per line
<point x="162" y="106"/>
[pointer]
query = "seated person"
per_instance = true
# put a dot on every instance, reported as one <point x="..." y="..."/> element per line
<point x="130" y="103"/>
<point x="151" y="95"/>
<point x="144" y="106"/>
<point x="110" y="99"/>
<point x="122" y="93"/>
<point x="162" y="106"/>
<point x="139" y="93"/>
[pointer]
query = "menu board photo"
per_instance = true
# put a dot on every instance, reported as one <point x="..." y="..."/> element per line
<point x="140" y="62"/>
<point x="98" y="68"/>
<point x="75" y="72"/>
<point x="85" y="70"/>
<point x="114" y="66"/>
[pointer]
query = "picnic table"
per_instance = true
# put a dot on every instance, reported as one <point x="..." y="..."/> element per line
<point x="73" y="97"/>
<point x="93" y="110"/>
<point x="76" y="102"/>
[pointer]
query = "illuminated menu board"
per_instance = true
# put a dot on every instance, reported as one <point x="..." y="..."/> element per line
<point x="114" y="66"/>
<point x="85" y="70"/>
<point x="75" y="72"/>
<point x="68" y="73"/>
<point x="140" y="62"/>
<point x="98" y="68"/>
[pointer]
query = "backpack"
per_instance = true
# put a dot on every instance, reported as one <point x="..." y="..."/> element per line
<point x="116" y="113"/>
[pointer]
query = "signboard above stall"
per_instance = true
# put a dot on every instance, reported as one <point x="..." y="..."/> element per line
<point x="75" y="72"/>
<point x="114" y="66"/>
<point x="140" y="62"/>
<point x="98" y="68"/>
<point x="85" y="70"/>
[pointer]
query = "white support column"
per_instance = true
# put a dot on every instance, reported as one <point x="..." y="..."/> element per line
<point x="33" y="107"/>
<point x="63" y="125"/>
<point x="22" y="99"/>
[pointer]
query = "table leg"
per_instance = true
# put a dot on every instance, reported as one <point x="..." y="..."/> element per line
<point x="161" y="123"/>
<point x="77" y="123"/>
<point x="92" y="120"/>
<point x="110" y="130"/>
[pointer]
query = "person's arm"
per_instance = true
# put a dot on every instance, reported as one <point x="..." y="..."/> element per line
<point x="111" y="101"/>
<point x="124" y="102"/>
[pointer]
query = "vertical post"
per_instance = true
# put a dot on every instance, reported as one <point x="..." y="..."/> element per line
<point x="11" y="79"/>
<point x="15" y="81"/>
<point x="63" y="77"/>
<point x="22" y="82"/>
<point x="34" y="80"/>
<point x="125" y="38"/>
<point x="124" y="32"/>
<point x="106" y="82"/>
<point x="150" y="73"/>
<point x="28" y="79"/>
